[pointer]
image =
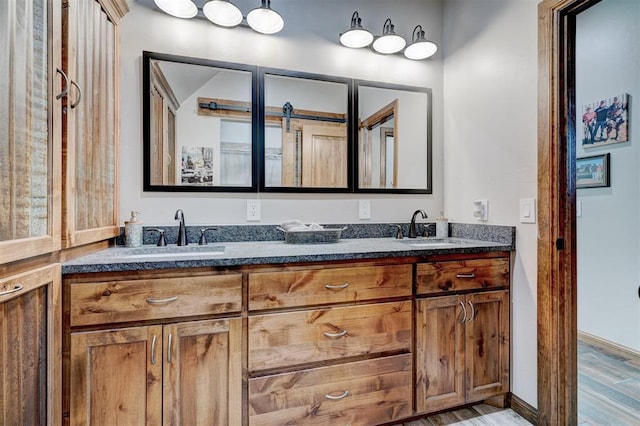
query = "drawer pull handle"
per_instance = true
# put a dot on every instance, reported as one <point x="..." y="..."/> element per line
<point x="473" y="312"/>
<point x="153" y="350"/>
<point x="335" y="398"/>
<point x="464" y="313"/>
<point x="153" y="301"/>
<point x="169" y="348"/>
<point x="335" y="335"/>
<point x="472" y="275"/>
<point x="17" y="288"/>
<point x="336" y="287"/>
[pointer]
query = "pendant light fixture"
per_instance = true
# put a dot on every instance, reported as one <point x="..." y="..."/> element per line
<point x="178" y="8"/>
<point x="389" y="42"/>
<point x="356" y="36"/>
<point x="420" y="47"/>
<point x="264" y="19"/>
<point x="222" y="12"/>
<point x="226" y="14"/>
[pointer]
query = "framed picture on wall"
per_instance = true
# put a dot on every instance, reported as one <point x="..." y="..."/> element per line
<point x="593" y="171"/>
<point x="605" y="121"/>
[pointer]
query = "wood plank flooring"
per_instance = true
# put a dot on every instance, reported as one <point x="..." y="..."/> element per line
<point x="480" y="415"/>
<point x="608" y="387"/>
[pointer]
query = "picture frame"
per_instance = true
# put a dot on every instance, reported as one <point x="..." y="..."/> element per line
<point x="605" y="121"/>
<point x="593" y="171"/>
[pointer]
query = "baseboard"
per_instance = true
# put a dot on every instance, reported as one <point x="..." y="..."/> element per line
<point x="607" y="345"/>
<point x="523" y="408"/>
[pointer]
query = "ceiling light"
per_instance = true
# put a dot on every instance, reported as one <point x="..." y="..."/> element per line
<point x="222" y="12"/>
<point x="356" y="36"/>
<point x="178" y="8"/>
<point x="389" y="42"/>
<point x="264" y="19"/>
<point x="420" y="47"/>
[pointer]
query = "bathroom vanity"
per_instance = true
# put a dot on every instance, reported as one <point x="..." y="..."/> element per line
<point x="362" y="332"/>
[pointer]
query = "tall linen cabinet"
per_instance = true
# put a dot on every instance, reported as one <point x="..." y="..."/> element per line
<point x="90" y="119"/>
<point x="59" y="90"/>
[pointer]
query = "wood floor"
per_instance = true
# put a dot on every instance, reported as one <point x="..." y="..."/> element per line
<point x="608" y="387"/>
<point x="480" y="414"/>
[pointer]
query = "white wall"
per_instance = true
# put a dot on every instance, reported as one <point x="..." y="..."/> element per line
<point x="607" y="63"/>
<point x="309" y="43"/>
<point x="490" y="146"/>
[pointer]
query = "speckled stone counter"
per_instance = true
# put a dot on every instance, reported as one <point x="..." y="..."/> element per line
<point x="221" y="254"/>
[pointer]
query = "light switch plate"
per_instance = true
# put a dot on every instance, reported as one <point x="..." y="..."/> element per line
<point x="527" y="210"/>
<point x="364" y="209"/>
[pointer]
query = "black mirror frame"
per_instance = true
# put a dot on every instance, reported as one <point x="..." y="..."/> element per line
<point x="355" y="138"/>
<point x="263" y="72"/>
<point x="146" y="102"/>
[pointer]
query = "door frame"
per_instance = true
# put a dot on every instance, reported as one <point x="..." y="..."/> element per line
<point x="557" y="291"/>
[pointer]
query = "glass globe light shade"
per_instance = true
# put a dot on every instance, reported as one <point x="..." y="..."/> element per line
<point x="178" y="8"/>
<point x="265" y="20"/>
<point x="222" y="12"/>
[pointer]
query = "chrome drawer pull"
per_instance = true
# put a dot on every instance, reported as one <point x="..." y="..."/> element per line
<point x="153" y="301"/>
<point x="153" y="350"/>
<point x="335" y="398"/>
<point x="473" y="312"/>
<point x="18" y="287"/>
<point x="335" y="335"/>
<point x="472" y="275"/>
<point x="464" y="313"/>
<point x="336" y="287"/>
<point x="169" y="349"/>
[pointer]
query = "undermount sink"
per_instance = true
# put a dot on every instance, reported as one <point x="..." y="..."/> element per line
<point x="172" y="252"/>
<point x="428" y="242"/>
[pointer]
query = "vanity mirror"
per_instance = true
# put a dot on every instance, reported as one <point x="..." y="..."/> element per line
<point x="394" y="138"/>
<point x="200" y="125"/>
<point x="306" y="132"/>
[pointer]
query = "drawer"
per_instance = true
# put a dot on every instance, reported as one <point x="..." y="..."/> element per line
<point x="322" y="286"/>
<point x="459" y="275"/>
<point x="358" y="393"/>
<point x="286" y="339"/>
<point x="136" y="300"/>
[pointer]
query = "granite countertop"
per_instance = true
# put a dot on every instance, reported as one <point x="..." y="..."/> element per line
<point x="150" y="257"/>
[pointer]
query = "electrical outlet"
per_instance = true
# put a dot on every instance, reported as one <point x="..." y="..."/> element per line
<point x="253" y="210"/>
<point x="364" y="209"/>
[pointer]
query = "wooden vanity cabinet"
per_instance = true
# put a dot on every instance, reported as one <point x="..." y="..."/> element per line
<point x="30" y="347"/>
<point x="90" y="120"/>
<point x="347" y="361"/>
<point x="462" y="339"/>
<point x="172" y="370"/>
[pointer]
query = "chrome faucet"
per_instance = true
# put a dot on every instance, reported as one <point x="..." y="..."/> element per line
<point x="182" y="231"/>
<point x="413" y="230"/>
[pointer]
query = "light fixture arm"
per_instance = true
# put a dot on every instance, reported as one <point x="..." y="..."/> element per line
<point x="387" y="27"/>
<point x="356" y="21"/>
<point x="420" y="34"/>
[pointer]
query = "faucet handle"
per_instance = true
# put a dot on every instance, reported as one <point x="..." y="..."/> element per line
<point x="399" y="235"/>
<point x="161" y="241"/>
<point x="203" y="239"/>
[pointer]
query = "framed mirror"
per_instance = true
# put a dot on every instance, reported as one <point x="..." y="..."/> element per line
<point x="307" y="143"/>
<point x="394" y="148"/>
<point x="200" y="125"/>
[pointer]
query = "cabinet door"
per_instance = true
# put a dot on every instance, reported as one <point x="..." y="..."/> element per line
<point x="487" y="345"/>
<point x="29" y="128"/>
<point x="116" y="377"/>
<point x="203" y="373"/>
<point x="90" y="120"/>
<point x="440" y="357"/>
<point x="30" y="334"/>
